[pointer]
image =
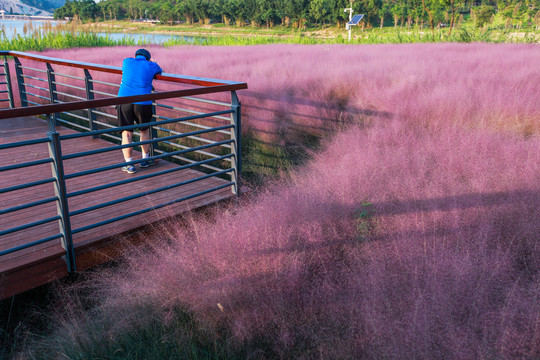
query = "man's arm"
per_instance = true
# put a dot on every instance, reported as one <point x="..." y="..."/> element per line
<point x="158" y="68"/>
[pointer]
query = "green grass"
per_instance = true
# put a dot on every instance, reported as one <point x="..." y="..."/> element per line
<point x="85" y="36"/>
<point x="174" y="335"/>
<point x="52" y="40"/>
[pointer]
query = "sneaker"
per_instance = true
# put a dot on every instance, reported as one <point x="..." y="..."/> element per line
<point x="130" y="169"/>
<point x="147" y="163"/>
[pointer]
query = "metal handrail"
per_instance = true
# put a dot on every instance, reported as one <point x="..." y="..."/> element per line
<point x="54" y="110"/>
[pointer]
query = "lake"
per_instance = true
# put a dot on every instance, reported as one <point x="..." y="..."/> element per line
<point x="16" y="27"/>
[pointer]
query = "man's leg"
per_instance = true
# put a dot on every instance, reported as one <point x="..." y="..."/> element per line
<point x="125" y="118"/>
<point x="127" y="138"/>
<point x="145" y="116"/>
<point x="145" y="135"/>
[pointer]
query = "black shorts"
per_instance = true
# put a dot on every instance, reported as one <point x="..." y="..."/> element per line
<point x="129" y="114"/>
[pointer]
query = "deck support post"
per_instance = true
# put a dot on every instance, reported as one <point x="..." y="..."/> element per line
<point x="51" y="79"/>
<point x="20" y="82"/>
<point x="8" y="83"/>
<point x="236" y="145"/>
<point x="89" y="86"/>
<point x="55" y="152"/>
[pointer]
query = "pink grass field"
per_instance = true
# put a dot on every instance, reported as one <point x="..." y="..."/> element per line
<point x="295" y="88"/>
<point x="443" y="143"/>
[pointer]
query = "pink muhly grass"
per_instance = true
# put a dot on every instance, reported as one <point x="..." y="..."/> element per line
<point x="447" y="262"/>
<point x="449" y="269"/>
<point x="309" y="89"/>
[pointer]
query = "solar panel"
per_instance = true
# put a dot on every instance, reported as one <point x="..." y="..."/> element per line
<point x="355" y="20"/>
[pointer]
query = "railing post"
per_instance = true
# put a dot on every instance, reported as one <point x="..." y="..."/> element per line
<point x="20" y="82"/>
<point x="236" y="146"/>
<point x="51" y="79"/>
<point x="153" y="131"/>
<point x="55" y="152"/>
<point x="89" y="85"/>
<point x="8" y="83"/>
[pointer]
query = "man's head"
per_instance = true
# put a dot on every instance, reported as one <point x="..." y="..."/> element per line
<point x="143" y="52"/>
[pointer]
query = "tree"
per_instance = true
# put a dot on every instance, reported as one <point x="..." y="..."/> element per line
<point x="483" y="15"/>
<point x="319" y="9"/>
<point x="102" y="5"/>
<point x="383" y="11"/>
<point x="88" y="10"/>
<point x="265" y="12"/>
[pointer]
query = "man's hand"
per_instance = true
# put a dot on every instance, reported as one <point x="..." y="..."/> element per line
<point x="153" y="60"/>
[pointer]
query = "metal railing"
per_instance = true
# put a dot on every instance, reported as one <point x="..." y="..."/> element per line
<point x="189" y="127"/>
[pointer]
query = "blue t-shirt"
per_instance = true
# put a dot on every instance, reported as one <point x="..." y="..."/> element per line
<point x="137" y="76"/>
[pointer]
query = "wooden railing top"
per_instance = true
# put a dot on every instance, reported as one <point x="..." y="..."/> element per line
<point x="208" y="86"/>
<point x="184" y="79"/>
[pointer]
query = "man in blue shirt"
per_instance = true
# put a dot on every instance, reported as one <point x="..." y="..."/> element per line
<point x="137" y="76"/>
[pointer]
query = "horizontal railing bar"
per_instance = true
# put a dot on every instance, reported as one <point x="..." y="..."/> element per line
<point x="187" y="123"/>
<point x="118" y="138"/>
<point x="3" y="83"/>
<point x="69" y="86"/>
<point x="28" y="205"/>
<point x="191" y="111"/>
<point x="29" y="225"/>
<point x="33" y="243"/>
<point x="33" y="103"/>
<point x="29" y="68"/>
<point x="68" y="76"/>
<point x="26" y="164"/>
<point x="118" y="218"/>
<point x="69" y="95"/>
<point x="4" y="99"/>
<point x="105" y="124"/>
<point x="24" y="143"/>
<point x="151" y="141"/>
<point x="27" y="185"/>
<point x="144" y="193"/>
<point x="214" y="102"/>
<point x="190" y="161"/>
<point x="131" y="127"/>
<point x="208" y="141"/>
<point x="37" y="96"/>
<point x="187" y="147"/>
<point x="37" y="87"/>
<point x="144" y="177"/>
<point x="64" y="121"/>
<point x="76" y="116"/>
<point x="104" y="114"/>
<point x="96" y="103"/>
<point x="104" y="83"/>
<point x="33" y="78"/>
<point x="110" y="167"/>
<point x="103" y="93"/>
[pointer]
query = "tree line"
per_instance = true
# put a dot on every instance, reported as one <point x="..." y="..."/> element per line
<point x="300" y="13"/>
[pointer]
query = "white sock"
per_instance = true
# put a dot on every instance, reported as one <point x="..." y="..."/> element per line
<point x="128" y="159"/>
<point x="144" y="156"/>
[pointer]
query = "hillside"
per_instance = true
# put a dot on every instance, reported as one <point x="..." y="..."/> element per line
<point x="30" y="7"/>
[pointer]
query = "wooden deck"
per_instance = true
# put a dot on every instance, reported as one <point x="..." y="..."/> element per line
<point x="29" y="268"/>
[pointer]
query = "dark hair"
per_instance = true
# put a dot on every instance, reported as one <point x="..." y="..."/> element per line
<point x="144" y="53"/>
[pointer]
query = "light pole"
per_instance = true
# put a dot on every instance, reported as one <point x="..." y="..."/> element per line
<point x="348" y="26"/>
